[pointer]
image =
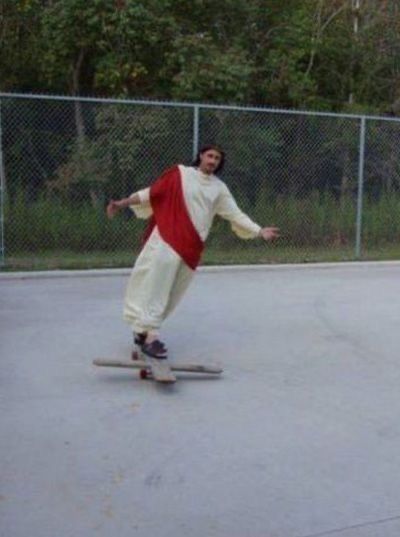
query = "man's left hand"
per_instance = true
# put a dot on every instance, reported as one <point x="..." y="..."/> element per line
<point x="269" y="233"/>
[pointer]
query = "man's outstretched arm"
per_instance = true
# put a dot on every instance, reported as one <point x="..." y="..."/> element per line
<point x="141" y="197"/>
<point x="241" y="224"/>
<point x="115" y="206"/>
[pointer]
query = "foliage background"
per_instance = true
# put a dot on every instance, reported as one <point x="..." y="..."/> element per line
<point x="64" y="160"/>
<point x="319" y="54"/>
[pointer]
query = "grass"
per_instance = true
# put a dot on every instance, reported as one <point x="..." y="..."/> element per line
<point x="263" y="254"/>
<point x="49" y="234"/>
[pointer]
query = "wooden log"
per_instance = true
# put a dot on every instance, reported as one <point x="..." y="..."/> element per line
<point x="139" y="364"/>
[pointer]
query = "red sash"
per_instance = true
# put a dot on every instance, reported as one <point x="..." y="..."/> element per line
<point x="172" y="218"/>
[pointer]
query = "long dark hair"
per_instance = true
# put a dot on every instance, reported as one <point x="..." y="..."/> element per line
<point x="205" y="148"/>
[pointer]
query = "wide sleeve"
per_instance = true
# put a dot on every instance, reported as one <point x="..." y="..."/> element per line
<point x="143" y="210"/>
<point x="241" y="224"/>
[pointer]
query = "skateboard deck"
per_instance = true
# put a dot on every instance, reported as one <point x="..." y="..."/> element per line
<point x="161" y="370"/>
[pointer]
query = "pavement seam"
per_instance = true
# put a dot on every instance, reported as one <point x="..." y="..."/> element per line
<point x="354" y="526"/>
<point x="202" y="269"/>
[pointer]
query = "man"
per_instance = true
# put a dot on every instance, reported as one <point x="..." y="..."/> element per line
<point x="182" y="204"/>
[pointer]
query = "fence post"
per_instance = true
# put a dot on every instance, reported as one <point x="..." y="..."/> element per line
<point x="196" y="123"/>
<point x="2" y="194"/>
<point x="361" y="161"/>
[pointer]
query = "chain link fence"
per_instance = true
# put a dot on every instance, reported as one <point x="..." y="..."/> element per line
<point x="330" y="182"/>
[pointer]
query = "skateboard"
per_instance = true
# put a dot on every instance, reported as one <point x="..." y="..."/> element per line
<point x="160" y="370"/>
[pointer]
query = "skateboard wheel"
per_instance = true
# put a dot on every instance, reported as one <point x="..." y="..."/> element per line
<point x="144" y="374"/>
<point x="135" y="355"/>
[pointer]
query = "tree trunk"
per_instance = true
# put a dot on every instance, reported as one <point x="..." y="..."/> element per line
<point x="79" y="120"/>
<point x="2" y="168"/>
<point x="80" y="126"/>
<point x="345" y="184"/>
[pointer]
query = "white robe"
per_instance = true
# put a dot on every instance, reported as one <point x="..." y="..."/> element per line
<point x="160" y="277"/>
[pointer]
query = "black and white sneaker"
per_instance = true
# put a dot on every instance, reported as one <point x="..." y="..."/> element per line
<point x="155" y="349"/>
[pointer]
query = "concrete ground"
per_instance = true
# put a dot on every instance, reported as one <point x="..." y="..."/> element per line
<point x="300" y="437"/>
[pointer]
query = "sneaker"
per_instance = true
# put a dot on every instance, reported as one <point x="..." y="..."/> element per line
<point x="155" y="349"/>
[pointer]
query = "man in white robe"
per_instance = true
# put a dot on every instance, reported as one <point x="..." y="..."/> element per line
<point x="166" y="264"/>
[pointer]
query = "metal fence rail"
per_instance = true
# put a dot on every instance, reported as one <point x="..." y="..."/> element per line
<point x="329" y="181"/>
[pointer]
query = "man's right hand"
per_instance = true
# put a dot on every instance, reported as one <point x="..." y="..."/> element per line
<point x="117" y="205"/>
<point x="112" y="209"/>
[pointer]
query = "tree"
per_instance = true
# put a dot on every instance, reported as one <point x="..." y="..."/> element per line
<point x="318" y="54"/>
<point x="19" y="30"/>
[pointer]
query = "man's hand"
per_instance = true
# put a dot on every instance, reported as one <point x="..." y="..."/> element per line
<point x="112" y="209"/>
<point x="114" y="206"/>
<point x="269" y="233"/>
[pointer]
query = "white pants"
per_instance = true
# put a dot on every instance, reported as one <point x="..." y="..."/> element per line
<point x="158" y="281"/>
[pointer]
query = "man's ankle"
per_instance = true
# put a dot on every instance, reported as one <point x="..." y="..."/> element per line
<point x="151" y="336"/>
